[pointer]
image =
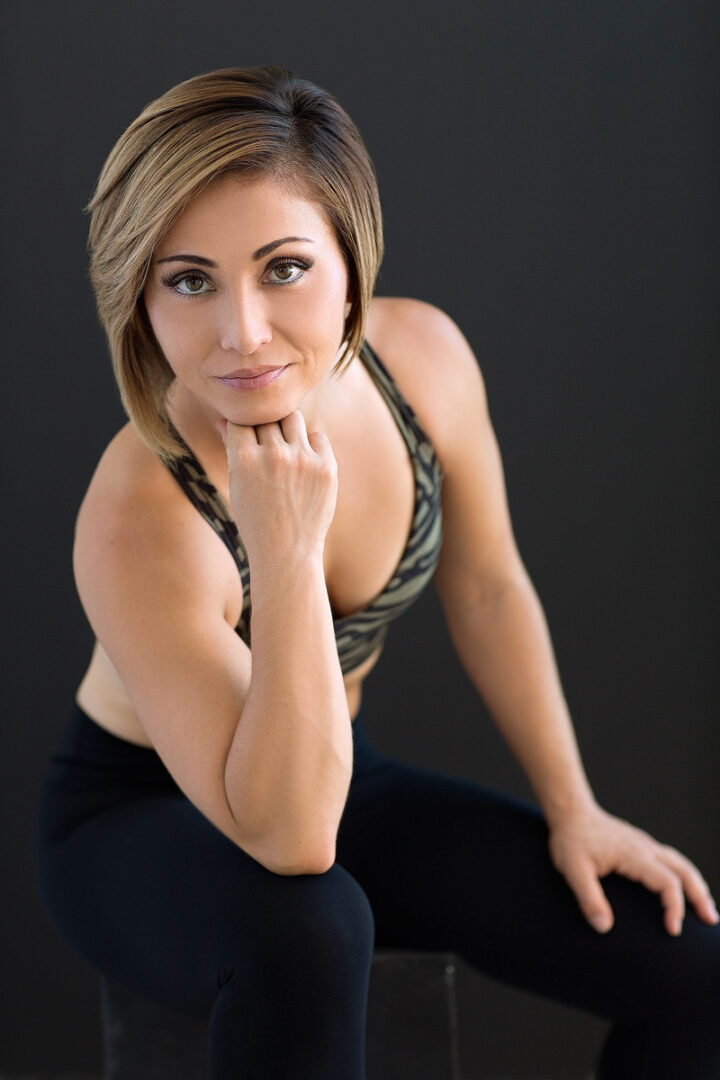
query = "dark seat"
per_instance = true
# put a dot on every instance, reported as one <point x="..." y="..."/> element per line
<point x="411" y="1030"/>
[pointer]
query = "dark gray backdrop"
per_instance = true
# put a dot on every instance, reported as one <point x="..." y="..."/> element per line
<point x="549" y="177"/>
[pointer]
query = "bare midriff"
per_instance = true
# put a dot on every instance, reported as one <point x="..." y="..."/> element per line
<point x="103" y="697"/>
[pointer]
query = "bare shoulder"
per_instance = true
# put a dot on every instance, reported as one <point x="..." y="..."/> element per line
<point x="134" y="519"/>
<point x="430" y="359"/>
<point x="126" y="470"/>
<point x="130" y="493"/>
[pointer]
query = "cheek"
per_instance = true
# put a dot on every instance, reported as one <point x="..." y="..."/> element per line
<point x="156" y="316"/>
<point x="322" y="309"/>
<point x="173" y="328"/>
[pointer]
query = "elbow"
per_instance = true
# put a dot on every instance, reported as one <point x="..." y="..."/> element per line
<point x="289" y="851"/>
<point x="316" y="866"/>
<point x="290" y="861"/>
<point x="319" y="863"/>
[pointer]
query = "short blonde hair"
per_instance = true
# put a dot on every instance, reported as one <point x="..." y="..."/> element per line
<point x="255" y="121"/>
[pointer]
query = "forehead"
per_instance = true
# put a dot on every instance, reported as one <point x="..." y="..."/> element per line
<point x="248" y="212"/>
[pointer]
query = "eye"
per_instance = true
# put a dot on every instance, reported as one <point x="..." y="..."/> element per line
<point x="188" y="283"/>
<point x="288" y="271"/>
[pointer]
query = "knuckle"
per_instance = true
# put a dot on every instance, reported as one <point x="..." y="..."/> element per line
<point x="673" y="883"/>
<point x="279" y="454"/>
<point x="239" y="457"/>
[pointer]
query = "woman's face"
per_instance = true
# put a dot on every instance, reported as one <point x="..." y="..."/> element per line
<point x="247" y="296"/>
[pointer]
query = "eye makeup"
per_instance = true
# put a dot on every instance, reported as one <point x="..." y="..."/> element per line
<point x="172" y="280"/>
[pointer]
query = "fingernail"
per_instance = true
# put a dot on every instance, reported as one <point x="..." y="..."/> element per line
<point x="601" y="923"/>
<point x="714" y="911"/>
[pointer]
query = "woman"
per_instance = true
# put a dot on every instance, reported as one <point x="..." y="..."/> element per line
<point x="215" y="829"/>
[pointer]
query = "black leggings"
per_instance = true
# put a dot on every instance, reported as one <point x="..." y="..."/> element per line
<point x="149" y="892"/>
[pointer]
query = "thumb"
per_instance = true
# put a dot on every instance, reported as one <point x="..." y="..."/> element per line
<point x="589" y="893"/>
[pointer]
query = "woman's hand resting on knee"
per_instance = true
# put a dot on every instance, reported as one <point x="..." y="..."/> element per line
<point x="590" y="843"/>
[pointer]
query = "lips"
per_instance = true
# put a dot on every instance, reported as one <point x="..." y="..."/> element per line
<point x="252" y="378"/>
<point x="251" y="373"/>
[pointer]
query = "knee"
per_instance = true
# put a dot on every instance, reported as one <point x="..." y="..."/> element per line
<point x="695" y="973"/>
<point x="314" y="921"/>
<point x="328" y="913"/>
<point x="682" y="975"/>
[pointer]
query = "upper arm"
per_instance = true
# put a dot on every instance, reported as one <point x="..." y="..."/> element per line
<point x="154" y="582"/>
<point x="437" y="368"/>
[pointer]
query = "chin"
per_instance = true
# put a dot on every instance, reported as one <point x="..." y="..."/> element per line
<point x="259" y="413"/>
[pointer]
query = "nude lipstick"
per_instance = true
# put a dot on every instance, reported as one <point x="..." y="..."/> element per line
<point x="251" y="378"/>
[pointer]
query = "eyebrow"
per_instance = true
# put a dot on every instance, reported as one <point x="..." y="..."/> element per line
<point x="259" y="254"/>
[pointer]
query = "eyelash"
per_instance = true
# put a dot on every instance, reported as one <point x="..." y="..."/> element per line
<point x="173" y="280"/>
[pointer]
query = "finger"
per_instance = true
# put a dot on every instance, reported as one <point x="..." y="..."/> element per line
<point x="294" y="428"/>
<point x="659" y="878"/>
<point x="270" y="434"/>
<point x="673" y="900"/>
<point x="320" y="443"/>
<point x="696" y="888"/>
<point x="239" y="436"/>
<point x="589" y="893"/>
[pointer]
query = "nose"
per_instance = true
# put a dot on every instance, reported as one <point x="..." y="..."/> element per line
<point x="245" y="324"/>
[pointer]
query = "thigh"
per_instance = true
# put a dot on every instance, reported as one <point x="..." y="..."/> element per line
<point x="449" y="864"/>
<point x="149" y="892"/>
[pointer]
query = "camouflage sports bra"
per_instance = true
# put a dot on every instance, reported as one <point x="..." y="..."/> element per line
<point x="359" y="634"/>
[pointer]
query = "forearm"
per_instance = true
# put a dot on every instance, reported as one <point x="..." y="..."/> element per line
<point x="503" y="642"/>
<point x="289" y="766"/>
